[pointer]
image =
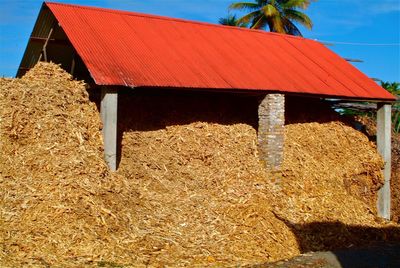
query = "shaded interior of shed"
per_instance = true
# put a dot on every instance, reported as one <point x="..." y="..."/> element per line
<point x="47" y="32"/>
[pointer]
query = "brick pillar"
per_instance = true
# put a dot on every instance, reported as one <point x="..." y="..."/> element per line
<point x="271" y="121"/>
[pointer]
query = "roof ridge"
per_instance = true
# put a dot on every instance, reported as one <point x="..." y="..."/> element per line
<point x="160" y="17"/>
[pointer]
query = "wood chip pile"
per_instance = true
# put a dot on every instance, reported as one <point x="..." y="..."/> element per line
<point x="59" y="204"/>
<point x="333" y="162"/>
<point x="330" y="176"/>
<point x="204" y="194"/>
<point x="369" y="124"/>
<point x="190" y="194"/>
<point x="395" y="179"/>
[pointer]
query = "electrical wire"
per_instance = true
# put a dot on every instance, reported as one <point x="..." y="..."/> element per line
<point x="357" y="44"/>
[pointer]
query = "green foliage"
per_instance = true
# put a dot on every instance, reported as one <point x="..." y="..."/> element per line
<point x="394" y="88"/>
<point x="279" y="15"/>
<point x="232" y="20"/>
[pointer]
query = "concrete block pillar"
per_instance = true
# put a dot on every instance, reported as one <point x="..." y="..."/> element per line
<point x="383" y="141"/>
<point x="271" y="121"/>
<point x="109" y="111"/>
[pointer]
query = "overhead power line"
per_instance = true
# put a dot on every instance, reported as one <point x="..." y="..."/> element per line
<point x="353" y="60"/>
<point x="356" y="44"/>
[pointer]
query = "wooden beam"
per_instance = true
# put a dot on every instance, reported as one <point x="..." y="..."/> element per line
<point x="44" y="49"/>
<point x="73" y="64"/>
<point x="51" y="40"/>
<point x="383" y="140"/>
<point x="108" y="111"/>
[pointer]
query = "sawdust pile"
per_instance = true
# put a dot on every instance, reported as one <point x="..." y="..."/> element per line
<point x="205" y="194"/>
<point x="395" y="178"/>
<point x="325" y="163"/>
<point x="330" y="176"/>
<point x="185" y="194"/>
<point x="369" y="124"/>
<point x="57" y="196"/>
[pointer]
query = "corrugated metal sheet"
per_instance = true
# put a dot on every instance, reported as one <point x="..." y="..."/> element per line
<point x="138" y="50"/>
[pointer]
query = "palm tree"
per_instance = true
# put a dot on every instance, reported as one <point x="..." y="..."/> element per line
<point x="231" y="20"/>
<point x="392" y="87"/>
<point x="278" y="15"/>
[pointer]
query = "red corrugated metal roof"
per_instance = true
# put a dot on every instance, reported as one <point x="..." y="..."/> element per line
<point x="138" y="50"/>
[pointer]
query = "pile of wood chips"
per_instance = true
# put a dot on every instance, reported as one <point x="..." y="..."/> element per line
<point x="328" y="163"/>
<point x="59" y="203"/>
<point x="185" y="195"/>
<point x="369" y="124"/>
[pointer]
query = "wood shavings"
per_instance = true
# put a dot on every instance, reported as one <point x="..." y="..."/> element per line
<point x="369" y="125"/>
<point x="189" y="191"/>
<point x="55" y="187"/>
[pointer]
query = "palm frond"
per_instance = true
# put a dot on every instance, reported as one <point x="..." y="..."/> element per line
<point x="278" y="24"/>
<point x="232" y="20"/>
<point x="299" y="17"/>
<point x="302" y="4"/>
<point x="244" y="6"/>
<point x="291" y="28"/>
<point x="259" y="22"/>
<point x="269" y="10"/>
<point x="279" y="15"/>
<point x="229" y="20"/>
<point x="249" y="17"/>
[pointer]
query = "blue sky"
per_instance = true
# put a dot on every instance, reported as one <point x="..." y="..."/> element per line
<point x="371" y="23"/>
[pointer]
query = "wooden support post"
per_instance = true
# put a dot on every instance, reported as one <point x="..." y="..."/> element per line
<point x="73" y="64"/>
<point x="383" y="138"/>
<point x="109" y="110"/>
<point x="271" y="121"/>
<point x="44" y="49"/>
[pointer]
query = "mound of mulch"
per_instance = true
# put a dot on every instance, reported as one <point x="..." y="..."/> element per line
<point x="369" y="124"/>
<point x="204" y="194"/>
<point x="395" y="179"/>
<point x="328" y="162"/>
<point x="330" y="177"/>
<point x="218" y="163"/>
<point x="59" y="203"/>
<point x="187" y="192"/>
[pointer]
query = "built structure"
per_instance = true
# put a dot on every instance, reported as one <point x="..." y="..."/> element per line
<point x="113" y="49"/>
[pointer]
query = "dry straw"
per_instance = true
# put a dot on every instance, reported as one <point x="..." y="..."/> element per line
<point x="185" y="195"/>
